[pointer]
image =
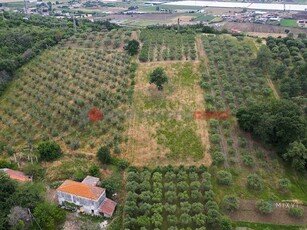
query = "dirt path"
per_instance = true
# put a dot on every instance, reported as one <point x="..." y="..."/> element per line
<point x="248" y="213"/>
<point x="272" y="86"/>
<point x="134" y="35"/>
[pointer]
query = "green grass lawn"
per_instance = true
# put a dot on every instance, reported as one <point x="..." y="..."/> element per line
<point x="204" y="18"/>
<point x="288" y="22"/>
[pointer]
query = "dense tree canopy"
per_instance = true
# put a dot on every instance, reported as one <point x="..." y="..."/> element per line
<point x="264" y="58"/>
<point x="297" y="155"/>
<point x="49" y="216"/>
<point x="278" y="123"/>
<point x="7" y="188"/>
<point x="15" y="198"/>
<point x="21" y="40"/>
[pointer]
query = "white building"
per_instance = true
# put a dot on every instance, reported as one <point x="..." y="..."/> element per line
<point x="87" y="196"/>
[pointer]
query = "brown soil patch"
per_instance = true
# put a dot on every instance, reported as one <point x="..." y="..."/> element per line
<point x="265" y="35"/>
<point x="159" y="17"/>
<point x="248" y="213"/>
<point x="259" y="28"/>
<point x="134" y="35"/>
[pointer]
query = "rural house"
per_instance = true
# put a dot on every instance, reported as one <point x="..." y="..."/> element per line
<point x="16" y="175"/>
<point x="87" y="196"/>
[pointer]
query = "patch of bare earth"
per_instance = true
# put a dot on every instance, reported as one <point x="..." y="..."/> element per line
<point x="265" y="35"/>
<point x="260" y="28"/>
<point x="142" y="147"/>
<point x="248" y="213"/>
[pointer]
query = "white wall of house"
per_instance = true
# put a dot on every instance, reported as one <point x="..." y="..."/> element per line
<point x="87" y="205"/>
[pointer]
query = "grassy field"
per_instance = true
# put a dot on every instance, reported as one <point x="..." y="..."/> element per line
<point x="162" y="129"/>
<point x="204" y="18"/>
<point x="288" y="23"/>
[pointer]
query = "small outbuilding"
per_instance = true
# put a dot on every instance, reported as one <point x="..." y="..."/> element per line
<point x="16" y="175"/>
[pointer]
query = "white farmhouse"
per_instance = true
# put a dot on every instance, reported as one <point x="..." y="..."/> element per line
<point x="87" y="196"/>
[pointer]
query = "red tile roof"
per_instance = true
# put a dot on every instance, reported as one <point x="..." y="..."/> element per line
<point x="107" y="207"/>
<point x="81" y="189"/>
<point x="16" y="175"/>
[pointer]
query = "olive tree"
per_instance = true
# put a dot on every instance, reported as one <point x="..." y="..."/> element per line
<point x="158" y="77"/>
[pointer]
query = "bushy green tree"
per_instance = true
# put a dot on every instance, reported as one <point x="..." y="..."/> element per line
<point x="104" y="155"/>
<point x="284" y="184"/>
<point x="230" y="203"/>
<point x="254" y="182"/>
<point x="133" y="47"/>
<point x="112" y="185"/>
<point x="296" y="212"/>
<point x="28" y="195"/>
<point x="35" y="170"/>
<point x="225" y="224"/>
<point x="297" y="155"/>
<point x="279" y="123"/>
<point x="94" y="170"/>
<point x="264" y="58"/>
<point x="158" y="77"/>
<point x="214" y="217"/>
<point x="7" y="188"/>
<point x="199" y="219"/>
<point x="49" y="216"/>
<point x="49" y="150"/>
<point x="224" y="177"/>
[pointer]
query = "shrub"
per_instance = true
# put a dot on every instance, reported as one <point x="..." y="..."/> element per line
<point x="104" y="155"/>
<point x="230" y="203"/>
<point x="296" y="212"/>
<point x="214" y="217"/>
<point x="94" y="171"/>
<point x="225" y="224"/>
<point x="259" y="40"/>
<point x="79" y="176"/>
<point x="224" y="178"/>
<point x="254" y="182"/>
<point x="264" y="207"/>
<point x="284" y="184"/>
<point x="218" y="158"/>
<point x="248" y="160"/>
<point x="49" y="150"/>
<point x="111" y="185"/>
<point x="185" y="219"/>
<point x="122" y="165"/>
<point x="74" y="144"/>
<point x="10" y="165"/>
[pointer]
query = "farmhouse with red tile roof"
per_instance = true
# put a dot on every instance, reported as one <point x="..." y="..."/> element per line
<point x="16" y="175"/>
<point x="87" y="196"/>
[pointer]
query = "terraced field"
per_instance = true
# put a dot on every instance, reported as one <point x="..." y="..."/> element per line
<point x="56" y="91"/>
